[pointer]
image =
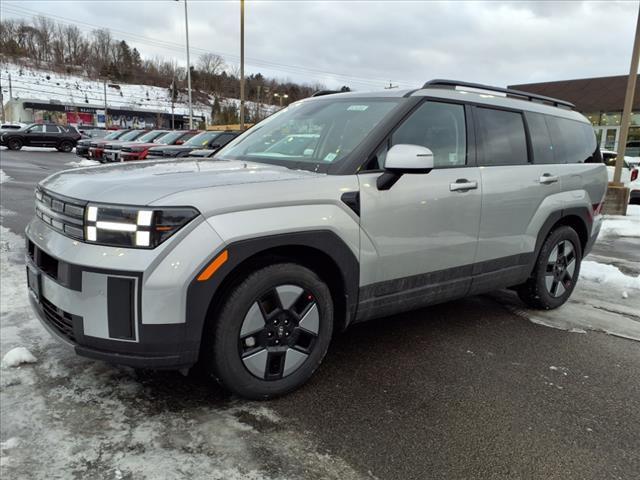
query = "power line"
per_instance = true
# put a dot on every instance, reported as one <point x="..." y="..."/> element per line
<point x="173" y="46"/>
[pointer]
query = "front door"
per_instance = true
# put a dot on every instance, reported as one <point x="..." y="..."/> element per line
<point x="35" y="136"/>
<point x="419" y="237"/>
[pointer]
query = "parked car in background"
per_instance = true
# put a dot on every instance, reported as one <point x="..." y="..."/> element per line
<point x="201" y="154"/>
<point x="97" y="147"/>
<point x="138" y="151"/>
<point x="12" y="126"/>
<point x="628" y="174"/>
<point x="61" y="137"/>
<point x="210" y="140"/>
<point x="112" y="151"/>
<point x="82" y="147"/>
<point x="633" y="148"/>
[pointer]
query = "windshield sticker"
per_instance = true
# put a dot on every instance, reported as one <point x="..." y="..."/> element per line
<point x="357" y="108"/>
<point x="330" y="157"/>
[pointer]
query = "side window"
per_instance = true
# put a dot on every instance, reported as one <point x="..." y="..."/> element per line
<point x="540" y="138"/>
<point x="438" y="126"/>
<point x="573" y="141"/>
<point x="52" y="129"/>
<point x="502" y="136"/>
<point x="37" y="129"/>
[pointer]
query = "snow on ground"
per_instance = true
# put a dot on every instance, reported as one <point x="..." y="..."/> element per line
<point x="71" y="417"/>
<point x="18" y="356"/>
<point x="85" y="162"/>
<point x="4" y="177"/>
<point x="605" y="299"/>
<point x="623" y="226"/>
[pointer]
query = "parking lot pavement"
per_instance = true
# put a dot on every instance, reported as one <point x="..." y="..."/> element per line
<point x="467" y="389"/>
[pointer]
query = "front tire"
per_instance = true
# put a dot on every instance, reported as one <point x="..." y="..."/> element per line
<point x="556" y="271"/>
<point x="14" y="144"/>
<point x="271" y="333"/>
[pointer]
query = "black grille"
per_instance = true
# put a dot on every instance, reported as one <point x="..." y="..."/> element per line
<point x="62" y="214"/>
<point x="57" y="318"/>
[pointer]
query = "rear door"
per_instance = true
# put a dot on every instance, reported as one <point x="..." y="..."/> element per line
<point x="51" y="136"/>
<point x="516" y="193"/>
<point x="423" y="230"/>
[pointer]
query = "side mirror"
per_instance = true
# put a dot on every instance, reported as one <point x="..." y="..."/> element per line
<point x="404" y="158"/>
<point x="215" y="146"/>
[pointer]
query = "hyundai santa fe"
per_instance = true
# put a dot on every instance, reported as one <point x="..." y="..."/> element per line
<point x="249" y="262"/>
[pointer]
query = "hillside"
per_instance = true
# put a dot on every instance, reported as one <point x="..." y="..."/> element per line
<point x="51" y="87"/>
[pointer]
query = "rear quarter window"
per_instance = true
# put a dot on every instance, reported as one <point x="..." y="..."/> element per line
<point x="573" y="141"/>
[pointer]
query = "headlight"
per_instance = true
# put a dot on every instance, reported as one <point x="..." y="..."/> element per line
<point x="133" y="227"/>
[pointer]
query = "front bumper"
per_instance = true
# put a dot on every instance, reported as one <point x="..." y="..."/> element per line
<point x="82" y="151"/>
<point x="129" y="156"/>
<point x="111" y="155"/>
<point x="124" y="306"/>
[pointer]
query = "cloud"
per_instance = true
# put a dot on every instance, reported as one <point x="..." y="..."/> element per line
<point x="366" y="44"/>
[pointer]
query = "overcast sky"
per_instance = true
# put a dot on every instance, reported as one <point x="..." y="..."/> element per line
<point x="367" y="44"/>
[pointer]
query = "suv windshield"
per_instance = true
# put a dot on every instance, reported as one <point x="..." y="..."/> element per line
<point x="150" y="136"/>
<point x="321" y="132"/>
<point x="132" y="135"/>
<point x="168" y="138"/>
<point x="113" y="135"/>
<point x="202" y="139"/>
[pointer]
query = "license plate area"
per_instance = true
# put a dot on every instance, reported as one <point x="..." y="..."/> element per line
<point x="34" y="281"/>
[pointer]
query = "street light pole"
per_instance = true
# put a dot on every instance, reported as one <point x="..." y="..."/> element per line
<point x="628" y="104"/>
<point x="186" y="28"/>
<point x="241" y="65"/>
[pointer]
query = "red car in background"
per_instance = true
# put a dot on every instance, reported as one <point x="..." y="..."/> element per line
<point x="112" y="151"/>
<point x="139" y="150"/>
<point x="96" y="147"/>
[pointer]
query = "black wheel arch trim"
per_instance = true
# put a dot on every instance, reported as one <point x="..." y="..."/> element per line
<point x="200" y="294"/>
<point x="583" y="213"/>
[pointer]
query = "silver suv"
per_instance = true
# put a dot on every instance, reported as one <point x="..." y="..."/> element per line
<point x="248" y="262"/>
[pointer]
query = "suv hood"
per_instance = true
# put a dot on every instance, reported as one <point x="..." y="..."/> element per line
<point x="141" y="183"/>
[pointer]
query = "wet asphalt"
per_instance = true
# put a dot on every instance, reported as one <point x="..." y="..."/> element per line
<point x="463" y="390"/>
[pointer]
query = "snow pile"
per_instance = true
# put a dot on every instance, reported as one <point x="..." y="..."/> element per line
<point x="607" y="274"/>
<point x="623" y="226"/>
<point x="4" y="177"/>
<point x="85" y="162"/>
<point x="18" y="356"/>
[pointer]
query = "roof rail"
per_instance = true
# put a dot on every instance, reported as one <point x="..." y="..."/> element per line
<point x="508" y="91"/>
<point x="320" y="93"/>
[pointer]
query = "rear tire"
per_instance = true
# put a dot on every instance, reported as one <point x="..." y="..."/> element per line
<point x="556" y="271"/>
<point x="271" y="333"/>
<point x="65" y="146"/>
<point x="14" y="144"/>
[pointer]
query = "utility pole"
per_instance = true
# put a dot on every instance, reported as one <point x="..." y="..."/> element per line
<point x="628" y="104"/>
<point x="173" y="98"/>
<point x="241" y="65"/>
<point x="10" y="89"/>
<point x="186" y="28"/>
<point x="105" y="104"/>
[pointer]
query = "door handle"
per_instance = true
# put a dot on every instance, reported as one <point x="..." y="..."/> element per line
<point x="547" y="179"/>
<point x="462" y="185"/>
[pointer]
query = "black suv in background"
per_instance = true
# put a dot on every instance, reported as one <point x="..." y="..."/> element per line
<point x="206" y="140"/>
<point x="62" y="137"/>
<point x="82" y="147"/>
